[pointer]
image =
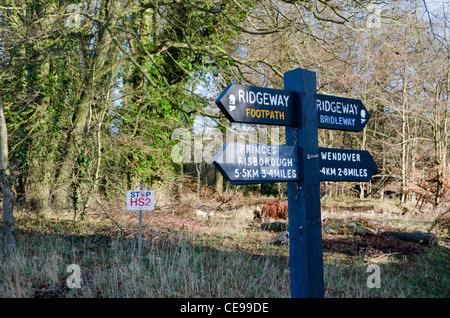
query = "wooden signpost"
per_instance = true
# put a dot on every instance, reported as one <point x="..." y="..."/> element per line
<point x="300" y="163"/>
<point x="305" y="228"/>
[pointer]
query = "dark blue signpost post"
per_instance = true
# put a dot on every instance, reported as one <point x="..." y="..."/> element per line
<point x="305" y="230"/>
<point x="300" y="163"/>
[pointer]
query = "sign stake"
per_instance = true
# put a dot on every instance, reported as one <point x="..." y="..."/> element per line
<point x="140" y="225"/>
<point x="305" y="229"/>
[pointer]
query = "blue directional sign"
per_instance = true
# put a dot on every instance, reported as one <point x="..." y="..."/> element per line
<point x="341" y="113"/>
<point x="257" y="105"/>
<point x="345" y="165"/>
<point x="303" y="111"/>
<point x="242" y="163"/>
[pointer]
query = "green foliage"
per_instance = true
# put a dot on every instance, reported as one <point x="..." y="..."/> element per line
<point x="51" y="74"/>
<point x="97" y="104"/>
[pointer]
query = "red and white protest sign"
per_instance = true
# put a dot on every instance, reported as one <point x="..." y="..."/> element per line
<point x="141" y="200"/>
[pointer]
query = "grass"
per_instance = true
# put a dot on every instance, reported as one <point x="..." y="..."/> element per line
<point x="418" y="276"/>
<point x="175" y="267"/>
<point x="185" y="256"/>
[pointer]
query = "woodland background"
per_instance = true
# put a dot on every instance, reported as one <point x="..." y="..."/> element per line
<point x="89" y="102"/>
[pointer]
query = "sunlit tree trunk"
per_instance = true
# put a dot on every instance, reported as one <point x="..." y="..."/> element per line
<point x="218" y="175"/>
<point x="8" y="221"/>
<point x="440" y="137"/>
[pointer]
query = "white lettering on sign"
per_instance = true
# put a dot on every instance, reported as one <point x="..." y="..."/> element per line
<point x="257" y="149"/>
<point x="258" y="161"/>
<point x="337" y="120"/>
<point x="141" y="200"/>
<point x="263" y="161"/>
<point x="344" y="172"/>
<point x="339" y="156"/>
<point x="268" y="99"/>
<point x="245" y="173"/>
<point x="337" y="107"/>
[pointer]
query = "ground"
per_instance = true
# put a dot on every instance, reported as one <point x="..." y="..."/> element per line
<point x="215" y="248"/>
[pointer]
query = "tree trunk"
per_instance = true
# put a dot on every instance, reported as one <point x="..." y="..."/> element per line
<point x="440" y="134"/>
<point x="38" y="184"/>
<point x="74" y="138"/>
<point x="63" y="177"/>
<point x="404" y="154"/>
<point x="198" y="167"/>
<point x="218" y="176"/>
<point x="8" y="220"/>
<point x="420" y="237"/>
<point x="363" y="147"/>
<point x="219" y="182"/>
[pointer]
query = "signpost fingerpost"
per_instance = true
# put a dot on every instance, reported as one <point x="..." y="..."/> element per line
<point x="300" y="162"/>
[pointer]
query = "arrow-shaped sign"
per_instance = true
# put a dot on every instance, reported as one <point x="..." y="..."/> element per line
<point x="341" y="113"/>
<point x="242" y="163"/>
<point x="346" y="165"/>
<point x="257" y="105"/>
